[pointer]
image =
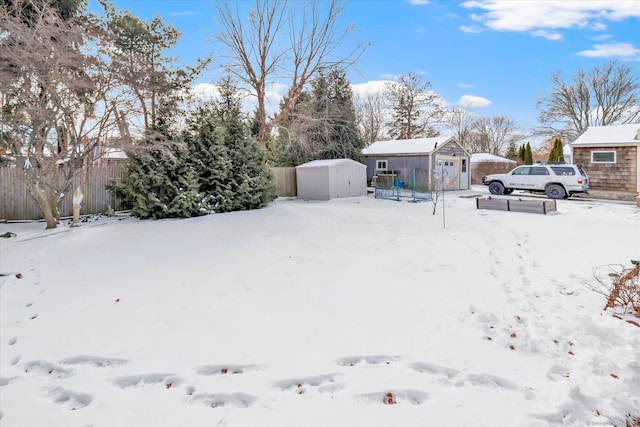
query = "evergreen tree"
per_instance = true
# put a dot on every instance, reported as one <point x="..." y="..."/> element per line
<point x="528" y="155"/>
<point x="335" y="127"/>
<point x="521" y="151"/>
<point x="512" y="151"/>
<point x="161" y="184"/>
<point x="556" y="153"/>
<point x="230" y="166"/>
<point x="322" y="124"/>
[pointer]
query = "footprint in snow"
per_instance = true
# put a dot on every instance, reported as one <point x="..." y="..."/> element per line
<point x="217" y="400"/>
<point x="94" y="361"/>
<point x="135" y="381"/>
<point x="227" y="369"/>
<point x="393" y="397"/>
<point x="69" y="399"/>
<point x="368" y="360"/>
<point x="40" y="367"/>
<point x="320" y="383"/>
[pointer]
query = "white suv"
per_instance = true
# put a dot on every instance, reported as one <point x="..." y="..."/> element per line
<point x="557" y="181"/>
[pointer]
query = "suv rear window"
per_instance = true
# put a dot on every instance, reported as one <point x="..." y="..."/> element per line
<point x="563" y="170"/>
<point x="538" y="171"/>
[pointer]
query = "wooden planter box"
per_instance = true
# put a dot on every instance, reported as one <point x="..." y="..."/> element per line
<point x="517" y="205"/>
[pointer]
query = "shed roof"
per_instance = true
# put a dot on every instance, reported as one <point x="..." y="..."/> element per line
<point x="486" y="157"/>
<point x="406" y="146"/>
<point x="328" y="163"/>
<point x="609" y="135"/>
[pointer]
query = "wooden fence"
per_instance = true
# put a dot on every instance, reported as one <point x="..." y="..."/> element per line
<point x="17" y="204"/>
<point x="285" y="180"/>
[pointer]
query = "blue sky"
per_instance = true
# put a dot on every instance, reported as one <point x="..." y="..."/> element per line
<point x="495" y="56"/>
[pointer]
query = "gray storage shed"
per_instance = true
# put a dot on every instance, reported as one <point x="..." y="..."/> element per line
<point x="331" y="179"/>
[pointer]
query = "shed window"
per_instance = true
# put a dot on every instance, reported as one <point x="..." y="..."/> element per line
<point x="603" y="157"/>
<point x="381" y="165"/>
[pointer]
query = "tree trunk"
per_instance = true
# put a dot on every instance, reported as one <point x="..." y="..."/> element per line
<point x="47" y="209"/>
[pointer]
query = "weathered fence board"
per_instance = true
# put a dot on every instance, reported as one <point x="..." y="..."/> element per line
<point x="285" y="180"/>
<point x="517" y="205"/>
<point x="17" y="204"/>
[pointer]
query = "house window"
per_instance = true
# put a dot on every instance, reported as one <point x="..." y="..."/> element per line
<point x="603" y="157"/>
<point x="381" y="165"/>
<point x="464" y="166"/>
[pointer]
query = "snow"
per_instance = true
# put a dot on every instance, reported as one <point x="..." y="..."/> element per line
<point x="406" y="146"/>
<point x="628" y="134"/>
<point x="328" y="163"/>
<point x="320" y="313"/>
<point x="486" y="157"/>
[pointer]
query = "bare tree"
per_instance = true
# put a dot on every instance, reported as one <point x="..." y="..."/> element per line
<point x="606" y="95"/>
<point x="282" y="40"/>
<point x="493" y="134"/>
<point x="371" y="117"/>
<point x="460" y="122"/>
<point x="51" y="87"/>
<point x="416" y="108"/>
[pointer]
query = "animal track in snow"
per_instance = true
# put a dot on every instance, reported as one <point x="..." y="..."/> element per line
<point x="217" y="400"/>
<point x="131" y="381"/>
<point x="15" y="360"/>
<point x="368" y="360"/>
<point x="40" y="367"/>
<point x="321" y="383"/>
<point x="227" y="369"/>
<point x="94" y="361"/>
<point x="70" y="399"/>
<point x="392" y="397"/>
<point x="12" y="340"/>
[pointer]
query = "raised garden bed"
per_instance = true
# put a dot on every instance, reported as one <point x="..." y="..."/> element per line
<point x="516" y="205"/>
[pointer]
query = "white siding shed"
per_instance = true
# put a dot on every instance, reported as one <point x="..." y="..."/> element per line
<point x="331" y="179"/>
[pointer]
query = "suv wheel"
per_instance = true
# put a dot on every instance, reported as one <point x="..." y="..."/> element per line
<point x="496" y="188"/>
<point x="555" y="191"/>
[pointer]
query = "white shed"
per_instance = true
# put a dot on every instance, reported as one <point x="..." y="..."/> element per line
<point x="331" y="179"/>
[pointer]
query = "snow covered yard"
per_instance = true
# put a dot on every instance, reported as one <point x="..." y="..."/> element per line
<point x="352" y="312"/>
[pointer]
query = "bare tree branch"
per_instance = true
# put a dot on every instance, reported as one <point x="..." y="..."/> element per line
<point x="260" y="54"/>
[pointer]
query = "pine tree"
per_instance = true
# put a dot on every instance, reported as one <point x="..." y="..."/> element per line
<point x="336" y="129"/>
<point x="556" y="153"/>
<point x="229" y="164"/>
<point x="512" y="151"/>
<point x="321" y="126"/>
<point x="528" y="155"/>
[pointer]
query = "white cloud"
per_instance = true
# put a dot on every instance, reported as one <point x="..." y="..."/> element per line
<point x="465" y="85"/>
<point x="205" y="91"/>
<point x="388" y="76"/>
<point x="601" y="37"/>
<point x="418" y="2"/>
<point x="473" y="29"/>
<point x="549" y="35"/>
<point x="473" y="101"/>
<point x="607" y="50"/>
<point x="372" y="87"/>
<point x="510" y="15"/>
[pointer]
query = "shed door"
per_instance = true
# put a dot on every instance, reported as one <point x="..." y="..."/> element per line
<point x="445" y="175"/>
<point x="464" y="173"/>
